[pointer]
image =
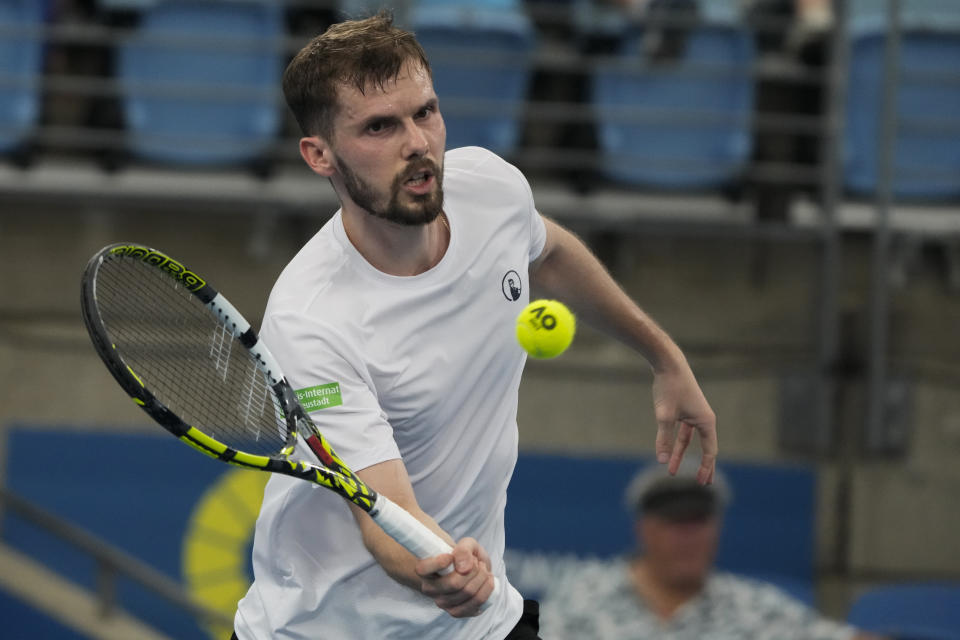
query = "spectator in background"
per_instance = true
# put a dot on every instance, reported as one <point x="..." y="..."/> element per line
<point x="669" y="589"/>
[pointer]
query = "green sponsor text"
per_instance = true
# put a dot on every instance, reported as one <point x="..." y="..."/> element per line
<point x="320" y="396"/>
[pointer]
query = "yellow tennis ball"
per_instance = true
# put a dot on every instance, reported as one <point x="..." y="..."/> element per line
<point x="545" y="328"/>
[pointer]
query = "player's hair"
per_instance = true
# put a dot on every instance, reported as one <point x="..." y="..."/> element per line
<point x="361" y="53"/>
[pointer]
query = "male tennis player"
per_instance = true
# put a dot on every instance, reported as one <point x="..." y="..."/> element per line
<point x="396" y="321"/>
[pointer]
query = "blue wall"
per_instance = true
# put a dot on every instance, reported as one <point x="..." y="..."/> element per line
<point x="140" y="493"/>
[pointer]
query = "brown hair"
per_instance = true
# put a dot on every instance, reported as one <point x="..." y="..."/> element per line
<point x="355" y="52"/>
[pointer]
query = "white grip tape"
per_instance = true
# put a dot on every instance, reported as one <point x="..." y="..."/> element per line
<point x="416" y="537"/>
<point x="408" y="531"/>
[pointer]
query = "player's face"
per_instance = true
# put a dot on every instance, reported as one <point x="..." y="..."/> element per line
<point x="388" y="148"/>
<point x="680" y="552"/>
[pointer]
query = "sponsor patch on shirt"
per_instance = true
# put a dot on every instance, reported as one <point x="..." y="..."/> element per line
<point x="321" y="396"/>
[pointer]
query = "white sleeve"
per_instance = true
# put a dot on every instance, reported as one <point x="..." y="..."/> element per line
<point x="502" y="171"/>
<point x="333" y="387"/>
<point x="538" y="231"/>
<point x="538" y="235"/>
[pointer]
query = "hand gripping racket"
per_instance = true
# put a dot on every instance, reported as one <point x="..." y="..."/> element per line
<point x="187" y="357"/>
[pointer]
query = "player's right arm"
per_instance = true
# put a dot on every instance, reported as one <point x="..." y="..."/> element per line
<point x="461" y="592"/>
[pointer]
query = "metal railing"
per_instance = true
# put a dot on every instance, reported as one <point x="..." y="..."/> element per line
<point x="111" y="563"/>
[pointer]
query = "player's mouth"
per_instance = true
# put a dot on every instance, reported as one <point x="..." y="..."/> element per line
<point x="420" y="182"/>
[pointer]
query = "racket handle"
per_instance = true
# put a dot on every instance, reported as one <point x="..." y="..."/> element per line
<point x="416" y="537"/>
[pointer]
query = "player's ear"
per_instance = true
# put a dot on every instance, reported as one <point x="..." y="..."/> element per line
<point x="318" y="155"/>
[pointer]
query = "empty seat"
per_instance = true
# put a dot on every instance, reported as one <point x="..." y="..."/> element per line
<point x="917" y="611"/>
<point x="679" y="123"/>
<point x="201" y="81"/>
<point x="926" y="152"/>
<point x="21" y="66"/>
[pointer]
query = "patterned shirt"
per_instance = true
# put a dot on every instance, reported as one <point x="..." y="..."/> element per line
<point x="598" y="602"/>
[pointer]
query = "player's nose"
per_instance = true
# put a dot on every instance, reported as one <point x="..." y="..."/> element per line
<point x="416" y="143"/>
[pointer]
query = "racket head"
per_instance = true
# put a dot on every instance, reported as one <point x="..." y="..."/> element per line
<point x="187" y="357"/>
<point x="183" y="353"/>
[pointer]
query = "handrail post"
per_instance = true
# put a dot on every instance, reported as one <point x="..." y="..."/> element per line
<point x="106" y="588"/>
<point x="880" y="282"/>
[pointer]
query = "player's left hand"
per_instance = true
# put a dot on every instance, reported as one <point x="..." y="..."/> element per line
<point x="681" y="409"/>
<point x="462" y="591"/>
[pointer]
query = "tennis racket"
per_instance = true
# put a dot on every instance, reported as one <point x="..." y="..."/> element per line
<point x="188" y="358"/>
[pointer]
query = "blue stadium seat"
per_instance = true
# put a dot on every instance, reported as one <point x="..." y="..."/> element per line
<point x="481" y="61"/>
<point x="926" y="157"/>
<point x="21" y="65"/>
<point x="613" y="19"/>
<point x="918" y="611"/>
<point x="927" y="143"/>
<point x="126" y="5"/>
<point x="868" y="15"/>
<point x="201" y="80"/>
<point x="678" y="124"/>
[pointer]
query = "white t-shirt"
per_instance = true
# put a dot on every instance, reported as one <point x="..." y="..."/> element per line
<point x="424" y="368"/>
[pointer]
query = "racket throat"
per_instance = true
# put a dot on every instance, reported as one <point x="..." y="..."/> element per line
<point x="316" y="445"/>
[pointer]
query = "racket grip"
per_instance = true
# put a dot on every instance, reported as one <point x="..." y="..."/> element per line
<point x="416" y="537"/>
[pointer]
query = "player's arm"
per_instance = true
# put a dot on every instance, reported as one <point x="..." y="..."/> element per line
<point x="459" y="593"/>
<point x="567" y="270"/>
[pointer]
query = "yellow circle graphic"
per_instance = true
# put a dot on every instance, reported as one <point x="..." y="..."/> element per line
<point x="217" y="542"/>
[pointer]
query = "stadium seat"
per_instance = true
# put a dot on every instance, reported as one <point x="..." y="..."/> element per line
<point x="870" y="14"/>
<point x="126" y="5"/>
<point x="480" y="55"/>
<point x="21" y="65"/>
<point x="200" y="82"/>
<point x="926" y="160"/>
<point x="918" y="611"/>
<point x="680" y="123"/>
<point x="358" y="9"/>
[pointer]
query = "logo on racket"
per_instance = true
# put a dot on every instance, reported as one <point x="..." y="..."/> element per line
<point x="190" y="280"/>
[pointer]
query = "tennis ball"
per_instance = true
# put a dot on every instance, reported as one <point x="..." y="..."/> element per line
<point x="545" y="328"/>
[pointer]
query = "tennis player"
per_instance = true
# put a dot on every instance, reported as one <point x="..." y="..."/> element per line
<point x="395" y="323"/>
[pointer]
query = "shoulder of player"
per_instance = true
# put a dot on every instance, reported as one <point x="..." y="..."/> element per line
<point x="314" y="267"/>
<point x="293" y="334"/>
<point x="479" y="163"/>
<point x="310" y="281"/>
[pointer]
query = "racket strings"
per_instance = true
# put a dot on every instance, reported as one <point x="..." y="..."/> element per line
<point x="186" y="358"/>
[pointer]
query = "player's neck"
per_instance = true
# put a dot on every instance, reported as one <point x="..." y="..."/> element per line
<point x="396" y="249"/>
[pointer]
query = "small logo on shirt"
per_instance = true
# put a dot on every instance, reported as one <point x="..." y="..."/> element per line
<point x="320" y="396"/>
<point x="511" y="286"/>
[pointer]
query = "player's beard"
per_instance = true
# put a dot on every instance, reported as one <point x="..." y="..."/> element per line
<point x="423" y="209"/>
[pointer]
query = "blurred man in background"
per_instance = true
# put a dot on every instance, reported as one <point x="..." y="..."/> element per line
<point x="669" y="589"/>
